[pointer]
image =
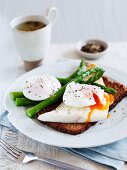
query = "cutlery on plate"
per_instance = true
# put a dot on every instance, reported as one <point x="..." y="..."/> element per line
<point x="24" y="157"/>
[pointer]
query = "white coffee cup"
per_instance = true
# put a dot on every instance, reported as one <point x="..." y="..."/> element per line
<point x="33" y="45"/>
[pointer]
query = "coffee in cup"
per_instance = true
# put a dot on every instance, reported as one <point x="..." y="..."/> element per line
<point x="32" y="35"/>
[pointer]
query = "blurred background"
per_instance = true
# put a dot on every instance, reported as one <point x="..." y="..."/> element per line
<point x="78" y="19"/>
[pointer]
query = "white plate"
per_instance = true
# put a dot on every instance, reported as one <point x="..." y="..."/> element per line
<point x="103" y="132"/>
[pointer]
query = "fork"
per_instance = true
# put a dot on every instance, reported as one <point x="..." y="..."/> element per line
<point x="24" y="157"/>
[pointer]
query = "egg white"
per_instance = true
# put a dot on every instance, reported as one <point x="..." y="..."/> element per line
<point x="68" y="114"/>
<point x="41" y="87"/>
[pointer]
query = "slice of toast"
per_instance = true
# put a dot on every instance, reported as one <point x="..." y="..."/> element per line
<point x="77" y="128"/>
<point x="70" y="128"/>
<point x="120" y="88"/>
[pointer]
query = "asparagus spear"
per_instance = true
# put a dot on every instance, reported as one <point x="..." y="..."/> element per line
<point x="98" y="74"/>
<point x="15" y="95"/>
<point x="31" y="112"/>
<point x="25" y="102"/>
<point x="64" y="81"/>
<point x="94" y="78"/>
<point x="106" y="89"/>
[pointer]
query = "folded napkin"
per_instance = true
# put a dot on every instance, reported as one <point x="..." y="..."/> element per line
<point x="113" y="155"/>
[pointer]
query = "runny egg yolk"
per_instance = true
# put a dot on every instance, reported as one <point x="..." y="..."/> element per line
<point x="109" y="100"/>
<point x="111" y="97"/>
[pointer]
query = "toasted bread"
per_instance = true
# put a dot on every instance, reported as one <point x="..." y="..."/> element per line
<point x="120" y="88"/>
<point x="77" y="128"/>
<point x="70" y="128"/>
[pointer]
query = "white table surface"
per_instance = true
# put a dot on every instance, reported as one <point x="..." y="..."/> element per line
<point x="78" y="19"/>
<point x="116" y="57"/>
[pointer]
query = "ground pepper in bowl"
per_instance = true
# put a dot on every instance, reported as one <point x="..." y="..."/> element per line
<point x="93" y="47"/>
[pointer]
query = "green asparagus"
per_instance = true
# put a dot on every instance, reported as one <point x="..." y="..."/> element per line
<point x="63" y="81"/>
<point x="25" y="102"/>
<point x="106" y="89"/>
<point x="97" y="76"/>
<point x="15" y="95"/>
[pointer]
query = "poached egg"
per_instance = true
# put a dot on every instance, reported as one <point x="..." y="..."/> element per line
<point x="38" y="88"/>
<point x="81" y="95"/>
<point x="81" y="103"/>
